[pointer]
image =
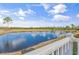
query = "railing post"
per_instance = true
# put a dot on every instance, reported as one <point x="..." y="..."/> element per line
<point x="58" y="51"/>
<point x="52" y="52"/>
<point x="62" y="50"/>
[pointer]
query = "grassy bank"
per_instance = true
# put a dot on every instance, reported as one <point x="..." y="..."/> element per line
<point x="4" y="30"/>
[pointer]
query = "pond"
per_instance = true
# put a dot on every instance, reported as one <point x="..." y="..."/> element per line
<point x="16" y="41"/>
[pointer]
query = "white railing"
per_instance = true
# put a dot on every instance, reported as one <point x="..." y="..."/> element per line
<point x="60" y="47"/>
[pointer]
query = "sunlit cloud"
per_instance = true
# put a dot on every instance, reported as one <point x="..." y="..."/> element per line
<point x="77" y="15"/>
<point x="60" y="8"/>
<point x="46" y="6"/>
<point x="61" y="18"/>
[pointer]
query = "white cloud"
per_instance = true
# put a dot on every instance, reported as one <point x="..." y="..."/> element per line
<point x="45" y="6"/>
<point x="23" y="13"/>
<point x="29" y="11"/>
<point x="60" y="8"/>
<point x="5" y="12"/>
<point x="20" y="12"/>
<point x="77" y="15"/>
<point x="21" y="18"/>
<point x="61" y="18"/>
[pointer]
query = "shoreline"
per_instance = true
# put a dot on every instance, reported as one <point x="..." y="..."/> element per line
<point x="4" y="31"/>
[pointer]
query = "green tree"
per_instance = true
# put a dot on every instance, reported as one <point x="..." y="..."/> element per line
<point x="72" y="26"/>
<point x="67" y="27"/>
<point x="7" y="21"/>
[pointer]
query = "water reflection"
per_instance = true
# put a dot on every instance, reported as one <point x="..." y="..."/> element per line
<point x="17" y="41"/>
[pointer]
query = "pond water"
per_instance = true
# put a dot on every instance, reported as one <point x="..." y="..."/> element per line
<point x="17" y="41"/>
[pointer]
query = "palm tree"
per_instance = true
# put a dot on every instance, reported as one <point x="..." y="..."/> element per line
<point x="7" y="20"/>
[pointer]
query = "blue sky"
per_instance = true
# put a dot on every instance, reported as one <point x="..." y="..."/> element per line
<point x="40" y="14"/>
